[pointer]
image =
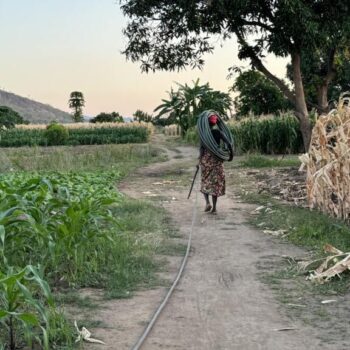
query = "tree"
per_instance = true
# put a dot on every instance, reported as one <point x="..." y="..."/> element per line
<point x="76" y="103"/>
<point x="318" y="89"/>
<point x="141" y="116"/>
<point x="9" y="118"/>
<point x="113" y="117"/>
<point x="165" y="35"/>
<point x="258" y="95"/>
<point x="185" y="104"/>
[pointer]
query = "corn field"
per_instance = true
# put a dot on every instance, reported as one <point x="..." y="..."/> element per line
<point x="267" y="135"/>
<point x="79" y="134"/>
<point x="328" y="162"/>
<point x="73" y="126"/>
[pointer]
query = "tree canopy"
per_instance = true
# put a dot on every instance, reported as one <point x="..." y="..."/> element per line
<point x="76" y="103"/>
<point x="171" y="35"/>
<point x="258" y="95"/>
<point x="142" y="116"/>
<point x="113" y="117"/>
<point x="314" y="67"/>
<point x="9" y="118"/>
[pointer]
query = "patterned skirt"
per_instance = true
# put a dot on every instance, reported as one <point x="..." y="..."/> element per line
<point x="213" y="175"/>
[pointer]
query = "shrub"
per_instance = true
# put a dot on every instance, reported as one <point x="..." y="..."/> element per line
<point x="56" y="134"/>
<point x="192" y="136"/>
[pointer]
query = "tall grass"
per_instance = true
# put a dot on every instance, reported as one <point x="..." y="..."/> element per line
<point x="274" y="135"/>
<point x="124" y="158"/>
<point x="266" y="135"/>
<point x="259" y="161"/>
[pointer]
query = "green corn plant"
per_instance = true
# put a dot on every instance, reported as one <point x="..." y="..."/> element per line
<point x="272" y="135"/>
<point x="21" y="308"/>
<point x="82" y="136"/>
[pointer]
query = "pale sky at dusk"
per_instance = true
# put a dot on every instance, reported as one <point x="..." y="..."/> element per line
<point x="52" y="47"/>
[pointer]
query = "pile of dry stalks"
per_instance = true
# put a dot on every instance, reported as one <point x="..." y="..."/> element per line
<point x="324" y="269"/>
<point x="172" y="130"/>
<point x="328" y="162"/>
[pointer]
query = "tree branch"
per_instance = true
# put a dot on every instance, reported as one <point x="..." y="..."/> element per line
<point x="259" y="24"/>
<point x="257" y="63"/>
<point x="331" y="71"/>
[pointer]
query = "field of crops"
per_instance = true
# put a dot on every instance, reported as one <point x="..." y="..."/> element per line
<point x="267" y="135"/>
<point x="77" y="134"/>
<point x="60" y="231"/>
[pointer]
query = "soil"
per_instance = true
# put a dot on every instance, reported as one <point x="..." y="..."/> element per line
<point x="221" y="301"/>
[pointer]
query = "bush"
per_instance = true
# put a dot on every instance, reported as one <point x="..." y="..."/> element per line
<point x="192" y="136"/>
<point x="56" y="134"/>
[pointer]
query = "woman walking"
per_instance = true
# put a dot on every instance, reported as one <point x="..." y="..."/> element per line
<point x="212" y="169"/>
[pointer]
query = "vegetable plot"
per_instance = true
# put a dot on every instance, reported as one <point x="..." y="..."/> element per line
<point x="63" y="225"/>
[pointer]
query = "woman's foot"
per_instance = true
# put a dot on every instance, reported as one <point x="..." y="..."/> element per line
<point x="213" y="211"/>
<point x="208" y="207"/>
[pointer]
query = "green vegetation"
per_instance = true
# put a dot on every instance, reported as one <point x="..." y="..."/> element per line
<point x="276" y="135"/>
<point x="185" y="104"/>
<point x="141" y="116"/>
<point x="265" y="135"/>
<point x="258" y="95"/>
<point x="67" y="230"/>
<point x="113" y="117"/>
<point x="307" y="229"/>
<point x="192" y="136"/>
<point x="310" y="229"/>
<point x="76" y="103"/>
<point x="259" y="161"/>
<point x="77" y="136"/>
<point x="123" y="158"/>
<point x="56" y="134"/>
<point x="311" y="33"/>
<point x="9" y="118"/>
<point x="21" y="307"/>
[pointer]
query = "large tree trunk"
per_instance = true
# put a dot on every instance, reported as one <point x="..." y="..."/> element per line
<point x="297" y="98"/>
<point x="322" y="89"/>
<point x="322" y="98"/>
<point x="301" y="111"/>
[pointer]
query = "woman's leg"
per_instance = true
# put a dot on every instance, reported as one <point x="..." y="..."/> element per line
<point x="215" y="199"/>
<point x="207" y="203"/>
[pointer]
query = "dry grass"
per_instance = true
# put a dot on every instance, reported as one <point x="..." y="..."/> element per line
<point x="72" y="126"/>
<point x="172" y="130"/>
<point x="328" y="162"/>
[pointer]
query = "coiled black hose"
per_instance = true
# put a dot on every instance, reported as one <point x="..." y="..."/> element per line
<point x="207" y="138"/>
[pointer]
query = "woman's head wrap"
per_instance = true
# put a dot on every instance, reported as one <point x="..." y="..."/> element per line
<point x="213" y="119"/>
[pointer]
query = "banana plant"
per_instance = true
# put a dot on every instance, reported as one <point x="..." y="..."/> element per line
<point x="184" y="105"/>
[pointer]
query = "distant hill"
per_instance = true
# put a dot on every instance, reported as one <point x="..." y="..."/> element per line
<point x="34" y="112"/>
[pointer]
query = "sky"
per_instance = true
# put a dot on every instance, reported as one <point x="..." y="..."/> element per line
<point x="52" y="47"/>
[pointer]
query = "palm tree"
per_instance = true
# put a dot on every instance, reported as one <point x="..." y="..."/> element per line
<point x="77" y="102"/>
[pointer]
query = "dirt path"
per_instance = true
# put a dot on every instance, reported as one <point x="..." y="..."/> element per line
<point x="220" y="302"/>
